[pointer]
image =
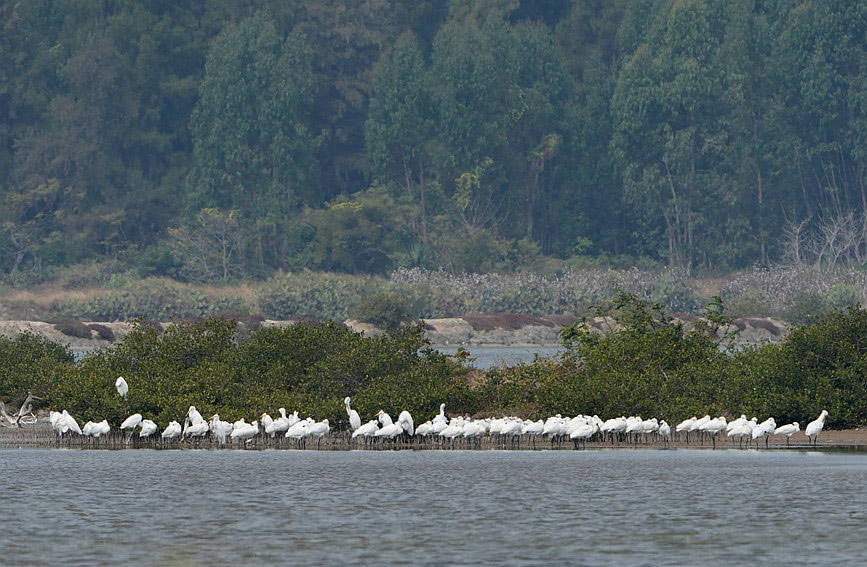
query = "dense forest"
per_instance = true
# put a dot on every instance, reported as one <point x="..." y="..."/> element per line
<point x="211" y="140"/>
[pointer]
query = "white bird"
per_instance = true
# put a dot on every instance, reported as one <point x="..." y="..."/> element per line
<point x="685" y="427"/>
<point x="281" y="424"/>
<point x="266" y="421"/>
<point x="198" y="430"/>
<point x="148" y="428"/>
<point x="424" y="429"/>
<point x="713" y="427"/>
<point x="354" y="419"/>
<point x="613" y="426"/>
<point x="456" y="427"/>
<point x="131" y="422"/>
<point x="735" y="423"/>
<point x="764" y="430"/>
<point x="194" y="416"/>
<point x="172" y="430"/>
<point x="244" y="432"/>
<point x="788" y="430"/>
<point x="634" y="424"/>
<point x="299" y="430"/>
<point x="95" y="430"/>
<point x="742" y="431"/>
<point x="405" y="421"/>
<point x="441" y="416"/>
<point x="318" y="430"/>
<point x="650" y="426"/>
<point x="531" y="427"/>
<point x="583" y="432"/>
<point x="68" y="423"/>
<point x="369" y="429"/>
<point x="384" y="418"/>
<point x="815" y="427"/>
<point x="473" y="429"/>
<point x="664" y="431"/>
<point x="389" y="431"/>
<point x="552" y="425"/>
<point x="438" y="427"/>
<point x="122" y="386"/>
<point x="220" y="429"/>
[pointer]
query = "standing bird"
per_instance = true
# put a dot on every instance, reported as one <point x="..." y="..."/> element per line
<point x="713" y="427"/>
<point x="67" y="423"/>
<point x="244" y="431"/>
<point x="405" y="421"/>
<point x="664" y="431"/>
<point x="194" y="416"/>
<point x="354" y="419"/>
<point x="318" y="430"/>
<point x="685" y="427"/>
<point x="122" y="386"/>
<point x="222" y="429"/>
<point x="764" y="430"/>
<point x="95" y="430"/>
<point x="787" y="430"/>
<point x="279" y="425"/>
<point x="131" y="422"/>
<point x="172" y="431"/>
<point x="148" y="428"/>
<point x="814" y="428"/>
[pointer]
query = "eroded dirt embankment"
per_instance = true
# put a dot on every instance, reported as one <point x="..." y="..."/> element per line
<point x="497" y="329"/>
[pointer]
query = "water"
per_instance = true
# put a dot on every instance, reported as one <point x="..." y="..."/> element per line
<point x="604" y="507"/>
<point x="486" y="357"/>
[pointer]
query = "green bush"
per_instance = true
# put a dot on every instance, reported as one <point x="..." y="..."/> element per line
<point x="31" y="363"/>
<point x="674" y="293"/>
<point x="752" y="303"/>
<point x="805" y="308"/>
<point x="842" y="296"/>
<point x="385" y="309"/>
<point x="309" y="295"/>
<point x="309" y="367"/>
<point x="155" y="298"/>
<point x="233" y="304"/>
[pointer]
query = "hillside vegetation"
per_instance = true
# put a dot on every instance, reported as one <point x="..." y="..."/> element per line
<point x="796" y="295"/>
<point x="223" y="141"/>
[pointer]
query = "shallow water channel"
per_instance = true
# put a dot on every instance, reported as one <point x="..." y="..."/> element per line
<point x="596" y="507"/>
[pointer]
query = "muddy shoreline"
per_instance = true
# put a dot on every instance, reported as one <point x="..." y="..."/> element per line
<point x="41" y="436"/>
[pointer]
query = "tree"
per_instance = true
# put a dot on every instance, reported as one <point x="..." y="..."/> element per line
<point x="252" y="146"/>
<point x="208" y="247"/>
<point x="668" y="137"/>
<point x="399" y="124"/>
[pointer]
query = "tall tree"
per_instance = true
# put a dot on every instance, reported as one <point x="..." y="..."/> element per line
<point x="668" y="136"/>
<point x="399" y="124"/>
<point x="252" y="145"/>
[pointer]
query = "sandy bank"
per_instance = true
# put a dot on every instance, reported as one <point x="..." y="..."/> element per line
<point x="472" y="330"/>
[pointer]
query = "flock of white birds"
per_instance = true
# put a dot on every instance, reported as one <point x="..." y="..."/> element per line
<point x="578" y="429"/>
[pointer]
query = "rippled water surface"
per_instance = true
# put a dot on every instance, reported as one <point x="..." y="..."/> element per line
<point x="603" y="507"/>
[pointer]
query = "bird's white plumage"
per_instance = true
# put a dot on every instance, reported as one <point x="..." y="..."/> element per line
<point x="122" y="386"/>
<point x="354" y="418"/>
<point x="815" y="427"/>
<point x="172" y="430"/>
<point x="131" y="422"/>
<point x="148" y="428"/>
